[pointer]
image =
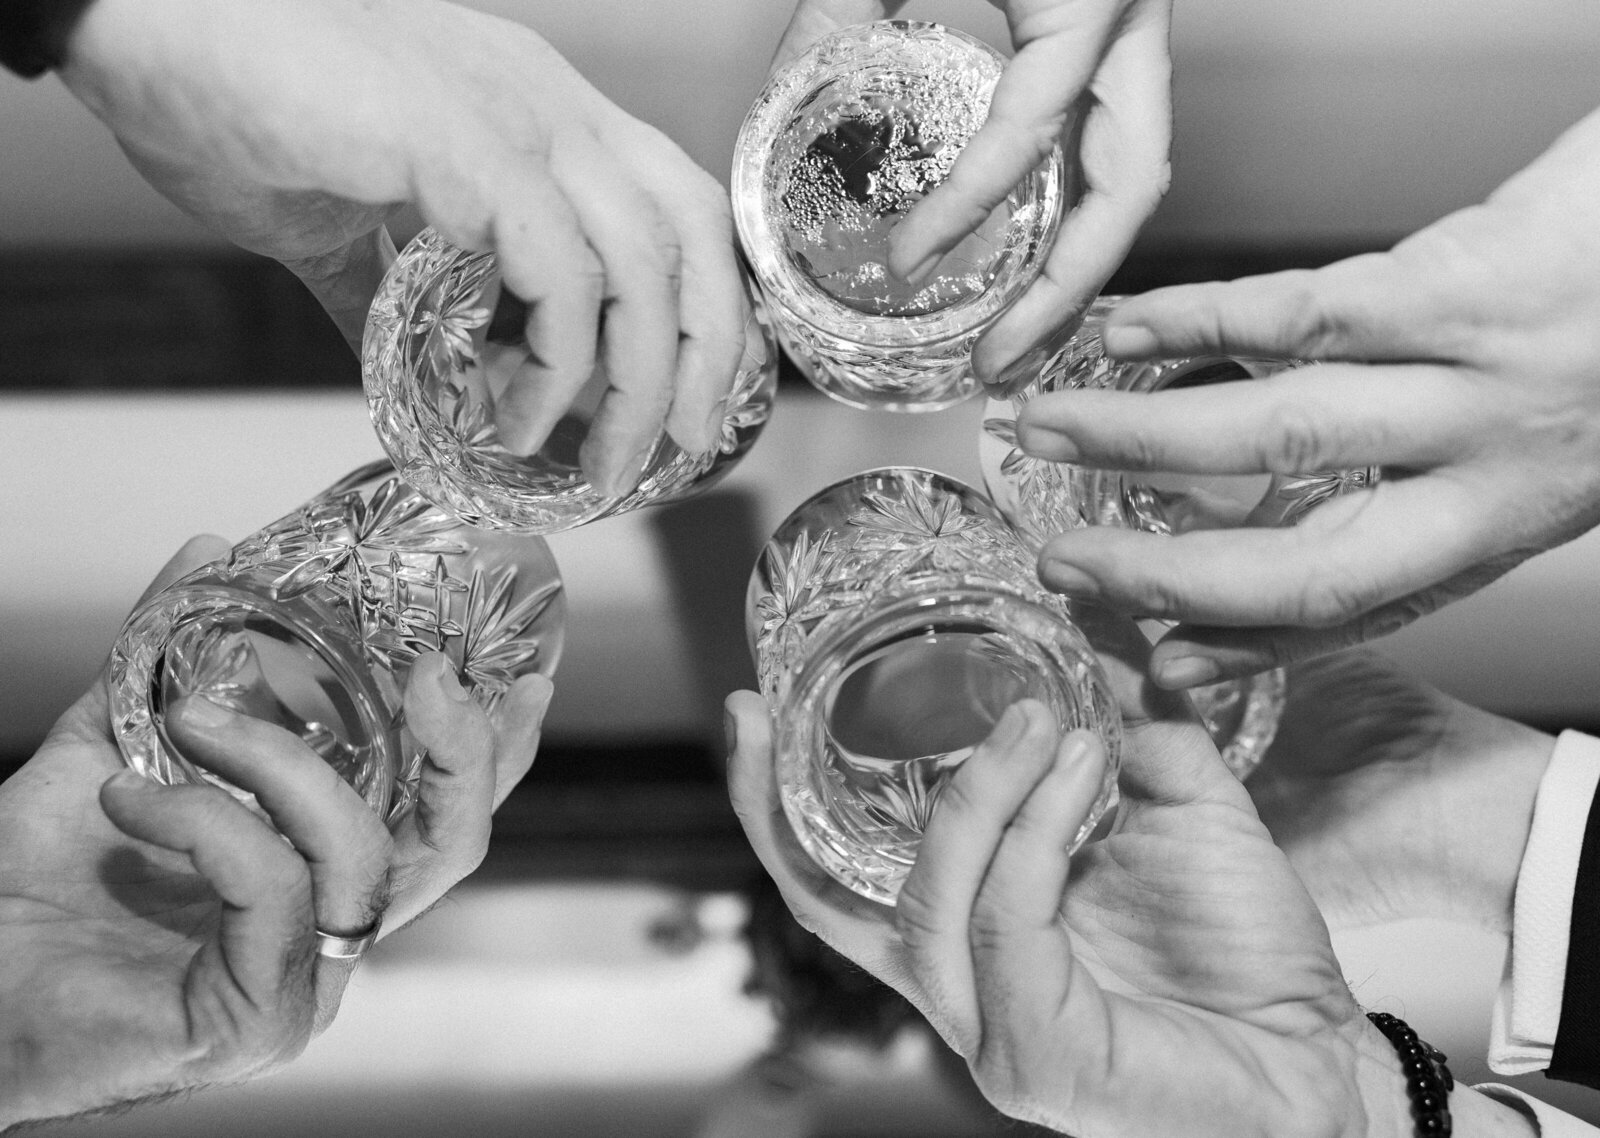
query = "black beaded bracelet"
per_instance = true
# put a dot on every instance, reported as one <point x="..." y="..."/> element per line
<point x="1428" y="1080"/>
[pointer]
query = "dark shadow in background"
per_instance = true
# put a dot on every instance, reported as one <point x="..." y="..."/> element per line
<point x="220" y="320"/>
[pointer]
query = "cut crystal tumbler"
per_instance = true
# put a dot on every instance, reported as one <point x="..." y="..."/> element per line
<point x="838" y="147"/>
<point x="1041" y="499"/>
<point x="444" y="339"/>
<point x="313" y="622"/>
<point x="893" y="617"/>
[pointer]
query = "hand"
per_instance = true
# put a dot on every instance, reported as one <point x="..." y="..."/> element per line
<point x="1171" y="978"/>
<point x="1393" y="800"/>
<point x="1096" y="71"/>
<point x="295" y="127"/>
<point x="1466" y="362"/>
<point x="154" y="939"/>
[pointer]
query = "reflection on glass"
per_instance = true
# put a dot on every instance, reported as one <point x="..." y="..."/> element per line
<point x="838" y="147"/>
<point x="893" y="617"/>
<point x="312" y="624"/>
<point x="1042" y="498"/>
<point x="445" y="345"/>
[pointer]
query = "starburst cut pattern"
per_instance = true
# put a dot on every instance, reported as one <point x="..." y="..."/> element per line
<point x="1306" y="492"/>
<point x="906" y="801"/>
<point x="495" y="646"/>
<point x="449" y="328"/>
<point x="210" y="660"/>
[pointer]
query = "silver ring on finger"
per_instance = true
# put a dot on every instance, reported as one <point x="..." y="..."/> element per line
<point x="352" y="947"/>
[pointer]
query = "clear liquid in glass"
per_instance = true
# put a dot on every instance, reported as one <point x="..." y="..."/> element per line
<point x="861" y="159"/>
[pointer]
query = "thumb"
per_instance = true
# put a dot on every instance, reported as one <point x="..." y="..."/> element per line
<point x="814" y="19"/>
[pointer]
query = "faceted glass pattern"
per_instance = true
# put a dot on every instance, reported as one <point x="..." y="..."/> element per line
<point x="893" y="617"/>
<point x="445" y="339"/>
<point x="1041" y="499"/>
<point x="838" y="147"/>
<point x="312" y="623"/>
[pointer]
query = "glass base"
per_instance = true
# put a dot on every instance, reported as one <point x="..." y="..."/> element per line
<point x="880" y="719"/>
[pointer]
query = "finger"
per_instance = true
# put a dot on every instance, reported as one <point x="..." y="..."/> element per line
<point x="1123" y="154"/>
<point x="1371" y="307"/>
<point x="1027" y="985"/>
<point x="814" y="19"/>
<point x="446" y="836"/>
<point x="1345" y="558"/>
<point x="713" y="310"/>
<point x="934" y="909"/>
<point x="1026" y="116"/>
<point x="511" y="204"/>
<point x="343" y="843"/>
<point x="1327" y="417"/>
<point x="259" y="966"/>
<point x="639" y="254"/>
<point x="857" y="928"/>
<point x="1191" y="655"/>
<point x="518" y="724"/>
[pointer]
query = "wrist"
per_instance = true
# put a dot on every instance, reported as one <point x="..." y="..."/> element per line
<point x="1388" y="1113"/>
<point x="1503" y="763"/>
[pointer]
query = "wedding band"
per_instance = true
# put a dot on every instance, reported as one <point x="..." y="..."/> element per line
<point x="348" y="947"/>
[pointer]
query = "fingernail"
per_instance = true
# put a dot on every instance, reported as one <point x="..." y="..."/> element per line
<point x="730" y="732"/>
<point x="1129" y="341"/>
<point x="1069" y="579"/>
<point x="1186" y="672"/>
<point x="1046" y="442"/>
<point x="1074" y="748"/>
<point x="922" y="268"/>
<point x="198" y="711"/>
<point x="620" y="478"/>
<point x="1010" y="727"/>
<point x="129" y="779"/>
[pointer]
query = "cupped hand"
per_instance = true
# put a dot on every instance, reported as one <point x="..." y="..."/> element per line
<point x="1394" y="800"/>
<point x="155" y="939"/>
<point x="1173" y="977"/>
<point x="295" y="127"/>
<point x="1092" y="74"/>
<point x="1465" y="362"/>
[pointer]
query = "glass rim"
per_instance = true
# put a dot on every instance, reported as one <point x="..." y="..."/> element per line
<point x="192" y="597"/>
<point x="785" y="287"/>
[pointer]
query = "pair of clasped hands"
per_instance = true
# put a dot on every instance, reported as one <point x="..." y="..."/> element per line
<point x="1172" y="977"/>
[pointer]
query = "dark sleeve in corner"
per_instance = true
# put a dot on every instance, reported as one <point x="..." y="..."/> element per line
<point x="1575" y="1056"/>
<point x="34" y="33"/>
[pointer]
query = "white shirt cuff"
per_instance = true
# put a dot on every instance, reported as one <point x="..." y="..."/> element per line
<point x="1527" y="1007"/>
<point x="1552" y="1123"/>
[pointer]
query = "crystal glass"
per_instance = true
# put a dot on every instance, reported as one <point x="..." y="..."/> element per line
<point x="839" y="146"/>
<point x="1041" y="498"/>
<point x="312" y="623"/>
<point x="893" y="617"/>
<point x="444" y="339"/>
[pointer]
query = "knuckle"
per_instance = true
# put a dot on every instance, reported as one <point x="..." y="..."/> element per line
<point x="1310" y="323"/>
<point x="1329" y="598"/>
<point x="1293" y="440"/>
<point x="916" y="915"/>
<point x="1150" y="596"/>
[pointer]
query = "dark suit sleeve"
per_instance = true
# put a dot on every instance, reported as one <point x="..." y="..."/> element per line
<point x="1575" y="1057"/>
<point x="34" y="33"/>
